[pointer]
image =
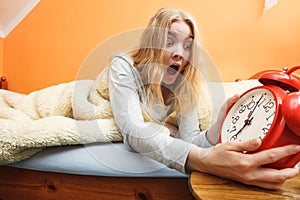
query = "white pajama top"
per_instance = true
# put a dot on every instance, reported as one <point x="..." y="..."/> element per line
<point x="126" y="100"/>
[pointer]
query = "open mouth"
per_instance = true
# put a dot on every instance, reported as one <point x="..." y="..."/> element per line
<point x="172" y="69"/>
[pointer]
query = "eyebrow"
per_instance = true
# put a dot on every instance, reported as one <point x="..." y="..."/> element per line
<point x="174" y="34"/>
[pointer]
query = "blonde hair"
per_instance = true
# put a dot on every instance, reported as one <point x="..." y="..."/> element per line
<point x="148" y="59"/>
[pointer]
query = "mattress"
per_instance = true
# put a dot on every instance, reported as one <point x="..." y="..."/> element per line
<point x="115" y="159"/>
<point x="100" y="159"/>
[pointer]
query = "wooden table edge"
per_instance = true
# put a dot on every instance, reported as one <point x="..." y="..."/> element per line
<point x="290" y="189"/>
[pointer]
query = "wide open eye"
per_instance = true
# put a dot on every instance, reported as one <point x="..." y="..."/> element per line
<point x="188" y="46"/>
<point x="169" y="43"/>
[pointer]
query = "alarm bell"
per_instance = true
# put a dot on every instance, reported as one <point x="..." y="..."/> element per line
<point x="291" y="111"/>
<point x="282" y="79"/>
<point x="291" y="102"/>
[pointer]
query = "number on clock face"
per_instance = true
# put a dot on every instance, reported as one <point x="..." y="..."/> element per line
<point x="250" y="117"/>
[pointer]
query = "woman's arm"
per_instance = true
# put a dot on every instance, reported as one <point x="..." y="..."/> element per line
<point x="189" y="127"/>
<point x="146" y="138"/>
<point x="228" y="160"/>
<point x="189" y="130"/>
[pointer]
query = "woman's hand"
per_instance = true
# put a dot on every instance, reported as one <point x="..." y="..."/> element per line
<point x="228" y="160"/>
<point x="213" y="133"/>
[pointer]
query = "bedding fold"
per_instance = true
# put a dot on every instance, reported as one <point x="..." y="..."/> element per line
<point x="71" y="113"/>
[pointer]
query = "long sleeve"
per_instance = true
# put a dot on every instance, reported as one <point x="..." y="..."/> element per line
<point x="190" y="132"/>
<point x="146" y="138"/>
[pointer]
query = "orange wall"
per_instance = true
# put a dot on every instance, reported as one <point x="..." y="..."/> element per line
<point x="50" y="45"/>
<point x="1" y="55"/>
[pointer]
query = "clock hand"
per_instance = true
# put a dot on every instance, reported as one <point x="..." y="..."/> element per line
<point x="247" y="123"/>
<point x="251" y="112"/>
<point x="248" y="120"/>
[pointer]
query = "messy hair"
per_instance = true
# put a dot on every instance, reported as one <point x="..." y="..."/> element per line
<point x="149" y="59"/>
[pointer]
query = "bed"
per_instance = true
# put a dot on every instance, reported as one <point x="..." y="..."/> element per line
<point x="71" y="172"/>
<point x="102" y="170"/>
<point x="3" y="83"/>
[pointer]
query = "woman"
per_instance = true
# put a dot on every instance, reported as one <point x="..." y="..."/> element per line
<point x="161" y="77"/>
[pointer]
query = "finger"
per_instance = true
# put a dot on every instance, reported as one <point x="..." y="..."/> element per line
<point x="274" y="175"/>
<point x="274" y="154"/>
<point x="266" y="185"/>
<point x="244" y="146"/>
<point x="229" y="102"/>
<point x="232" y="100"/>
<point x="272" y="178"/>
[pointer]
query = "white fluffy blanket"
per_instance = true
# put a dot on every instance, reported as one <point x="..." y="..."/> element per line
<point x="71" y="113"/>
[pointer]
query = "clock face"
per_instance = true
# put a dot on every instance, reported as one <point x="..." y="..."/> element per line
<point x="250" y="117"/>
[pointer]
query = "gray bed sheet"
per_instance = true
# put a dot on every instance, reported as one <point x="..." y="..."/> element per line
<point x="100" y="159"/>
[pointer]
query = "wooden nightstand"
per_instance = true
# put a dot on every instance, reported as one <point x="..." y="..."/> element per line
<point x="205" y="186"/>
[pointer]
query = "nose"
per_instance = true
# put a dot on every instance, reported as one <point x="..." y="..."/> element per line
<point x="178" y="51"/>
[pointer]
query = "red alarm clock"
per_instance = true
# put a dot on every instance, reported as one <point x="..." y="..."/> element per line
<point x="270" y="112"/>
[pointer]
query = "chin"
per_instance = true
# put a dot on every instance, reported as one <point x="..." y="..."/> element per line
<point x="169" y="81"/>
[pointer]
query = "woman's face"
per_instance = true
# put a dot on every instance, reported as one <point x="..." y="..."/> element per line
<point x="178" y="51"/>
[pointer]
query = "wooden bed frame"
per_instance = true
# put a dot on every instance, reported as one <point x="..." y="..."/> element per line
<point x="3" y="83"/>
<point x="17" y="183"/>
